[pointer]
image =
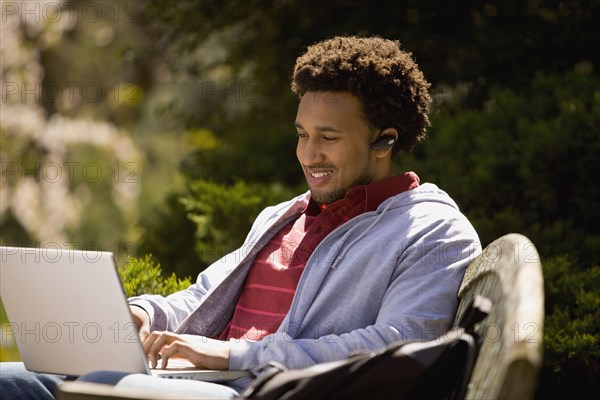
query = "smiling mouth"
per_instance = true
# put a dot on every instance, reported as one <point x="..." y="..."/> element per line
<point x="320" y="174"/>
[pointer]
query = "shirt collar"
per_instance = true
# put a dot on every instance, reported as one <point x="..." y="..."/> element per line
<point x="371" y="195"/>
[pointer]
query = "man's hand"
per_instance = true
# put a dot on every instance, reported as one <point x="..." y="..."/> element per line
<point x="141" y="320"/>
<point x="199" y="350"/>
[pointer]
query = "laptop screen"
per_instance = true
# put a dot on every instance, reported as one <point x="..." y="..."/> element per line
<point x="68" y="312"/>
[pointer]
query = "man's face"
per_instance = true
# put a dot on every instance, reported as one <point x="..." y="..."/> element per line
<point x="333" y="144"/>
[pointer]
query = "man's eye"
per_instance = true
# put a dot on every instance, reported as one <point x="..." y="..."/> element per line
<point x="301" y="135"/>
<point x="329" y="138"/>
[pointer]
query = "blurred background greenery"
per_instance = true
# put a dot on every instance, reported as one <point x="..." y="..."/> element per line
<point x="159" y="127"/>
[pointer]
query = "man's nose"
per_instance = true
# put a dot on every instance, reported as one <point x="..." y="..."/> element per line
<point x="310" y="152"/>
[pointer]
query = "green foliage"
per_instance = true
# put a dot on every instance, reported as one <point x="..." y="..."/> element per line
<point x="144" y="276"/>
<point x="453" y="41"/>
<point x="522" y="163"/>
<point x="223" y="214"/>
<point x="573" y="311"/>
<point x="195" y="228"/>
<point x="169" y="237"/>
<point x="8" y="347"/>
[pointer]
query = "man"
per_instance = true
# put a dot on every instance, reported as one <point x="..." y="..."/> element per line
<point x="365" y="258"/>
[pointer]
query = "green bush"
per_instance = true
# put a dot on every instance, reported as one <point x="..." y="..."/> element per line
<point x="144" y="276"/>
<point x="573" y="311"/>
<point x="209" y="220"/>
<point x="8" y="347"/>
<point x="522" y="162"/>
<point x="223" y="214"/>
<point x="168" y="234"/>
<point x="571" y="326"/>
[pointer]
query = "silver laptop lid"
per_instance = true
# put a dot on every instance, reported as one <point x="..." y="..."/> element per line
<point x="68" y="311"/>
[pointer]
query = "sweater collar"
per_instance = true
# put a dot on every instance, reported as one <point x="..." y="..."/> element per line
<point x="369" y="197"/>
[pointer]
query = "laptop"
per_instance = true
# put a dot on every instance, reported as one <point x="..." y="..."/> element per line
<point x="69" y="316"/>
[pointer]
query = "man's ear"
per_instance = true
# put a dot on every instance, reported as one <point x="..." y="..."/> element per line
<point x="383" y="144"/>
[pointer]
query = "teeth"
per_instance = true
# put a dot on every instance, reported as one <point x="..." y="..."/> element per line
<point x="320" y="174"/>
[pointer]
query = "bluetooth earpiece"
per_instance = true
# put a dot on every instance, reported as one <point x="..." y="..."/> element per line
<point x="383" y="142"/>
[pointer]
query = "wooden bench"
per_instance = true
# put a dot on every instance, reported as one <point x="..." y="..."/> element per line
<point x="508" y="272"/>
